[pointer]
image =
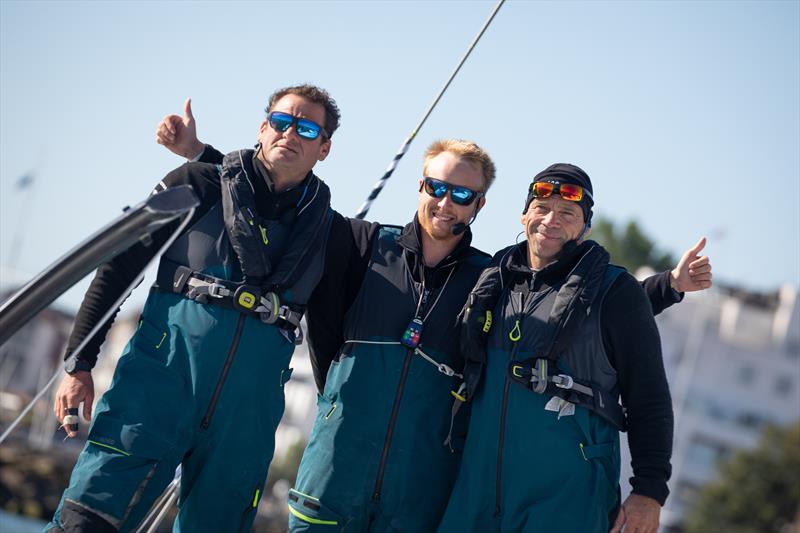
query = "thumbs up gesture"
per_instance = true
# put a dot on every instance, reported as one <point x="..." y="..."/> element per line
<point x="693" y="272"/>
<point x="179" y="134"/>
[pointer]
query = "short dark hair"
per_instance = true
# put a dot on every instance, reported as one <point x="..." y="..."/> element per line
<point x="314" y="94"/>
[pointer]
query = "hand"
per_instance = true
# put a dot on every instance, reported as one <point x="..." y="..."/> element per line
<point x="693" y="273"/>
<point x="179" y="134"/>
<point x="638" y="514"/>
<point x="73" y="390"/>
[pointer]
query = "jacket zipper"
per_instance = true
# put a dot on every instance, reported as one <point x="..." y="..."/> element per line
<point x="376" y="495"/>
<point x="247" y="510"/>
<point x="225" y="369"/>
<point x="503" y="411"/>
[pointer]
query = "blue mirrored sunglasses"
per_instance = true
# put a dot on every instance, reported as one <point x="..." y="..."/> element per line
<point x="307" y="129"/>
<point x="460" y="195"/>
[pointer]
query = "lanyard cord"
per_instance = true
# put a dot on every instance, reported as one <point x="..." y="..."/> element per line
<point x="436" y="301"/>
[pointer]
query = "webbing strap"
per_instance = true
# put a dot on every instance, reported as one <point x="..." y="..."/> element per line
<point x="208" y="289"/>
<point x="529" y="374"/>
<point x="460" y="398"/>
<point x="537" y="376"/>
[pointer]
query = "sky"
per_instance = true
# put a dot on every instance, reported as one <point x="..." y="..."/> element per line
<point x="685" y="114"/>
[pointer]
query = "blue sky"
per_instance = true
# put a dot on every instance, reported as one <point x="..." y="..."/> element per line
<point x="685" y="114"/>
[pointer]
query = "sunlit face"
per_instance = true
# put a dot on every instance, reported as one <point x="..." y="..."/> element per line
<point x="549" y="223"/>
<point x="286" y="152"/>
<point x="437" y="216"/>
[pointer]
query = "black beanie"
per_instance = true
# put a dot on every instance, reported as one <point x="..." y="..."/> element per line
<point x="566" y="173"/>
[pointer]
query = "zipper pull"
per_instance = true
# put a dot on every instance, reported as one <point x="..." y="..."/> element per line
<point x="516" y="333"/>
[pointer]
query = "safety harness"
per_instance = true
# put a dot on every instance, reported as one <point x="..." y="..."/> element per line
<point x="535" y="375"/>
<point x="259" y="291"/>
<point x="542" y="375"/>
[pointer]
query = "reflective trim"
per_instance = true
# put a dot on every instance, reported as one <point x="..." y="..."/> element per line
<point x="123" y="452"/>
<point x="163" y="336"/>
<point x="305" y="495"/>
<point x="310" y="520"/>
<point x="330" y="412"/>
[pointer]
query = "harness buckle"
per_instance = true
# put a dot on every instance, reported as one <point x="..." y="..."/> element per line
<point x="563" y="381"/>
<point x="246" y="297"/>
<point x="215" y="290"/>
<point x="269" y="310"/>
<point x="446" y="370"/>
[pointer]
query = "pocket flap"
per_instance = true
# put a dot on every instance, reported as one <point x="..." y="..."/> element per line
<point x="127" y="439"/>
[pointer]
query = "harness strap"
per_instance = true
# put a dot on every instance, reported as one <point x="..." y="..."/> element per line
<point x="533" y="375"/>
<point x="207" y="289"/>
<point x="539" y="379"/>
<point x="460" y="397"/>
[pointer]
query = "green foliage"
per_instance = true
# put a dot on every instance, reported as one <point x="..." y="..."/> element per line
<point x="629" y="246"/>
<point x="757" y="491"/>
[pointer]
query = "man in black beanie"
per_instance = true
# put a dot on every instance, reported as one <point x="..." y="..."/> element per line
<point x="570" y="356"/>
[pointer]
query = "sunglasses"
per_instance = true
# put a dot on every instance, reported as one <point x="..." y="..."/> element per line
<point x="567" y="191"/>
<point x="307" y="129"/>
<point x="459" y="195"/>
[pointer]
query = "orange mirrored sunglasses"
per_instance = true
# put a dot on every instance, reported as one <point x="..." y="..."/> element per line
<point x="567" y="191"/>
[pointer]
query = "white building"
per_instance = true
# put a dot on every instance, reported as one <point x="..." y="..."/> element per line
<point x="733" y="362"/>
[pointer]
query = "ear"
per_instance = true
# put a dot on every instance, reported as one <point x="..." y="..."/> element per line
<point x="324" y="150"/>
<point x="481" y="203"/>
<point x="420" y="184"/>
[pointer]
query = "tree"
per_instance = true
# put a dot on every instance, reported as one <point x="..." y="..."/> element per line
<point x="629" y="246"/>
<point x="757" y="490"/>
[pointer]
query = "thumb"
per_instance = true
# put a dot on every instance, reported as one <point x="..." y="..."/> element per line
<point x="187" y="111"/>
<point x="699" y="246"/>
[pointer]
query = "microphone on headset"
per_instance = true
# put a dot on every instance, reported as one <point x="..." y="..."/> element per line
<point x="460" y="228"/>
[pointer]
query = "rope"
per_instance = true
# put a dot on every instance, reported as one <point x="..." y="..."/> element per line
<point x="378" y="187"/>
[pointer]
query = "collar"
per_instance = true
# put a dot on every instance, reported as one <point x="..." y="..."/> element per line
<point x="269" y="203"/>
<point x="411" y="241"/>
<point x="261" y="171"/>
<point x="517" y="261"/>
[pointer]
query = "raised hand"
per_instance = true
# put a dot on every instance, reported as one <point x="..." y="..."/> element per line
<point x="179" y="134"/>
<point x="693" y="272"/>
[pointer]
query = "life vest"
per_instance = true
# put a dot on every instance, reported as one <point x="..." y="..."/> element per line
<point x="236" y="258"/>
<point x="561" y="351"/>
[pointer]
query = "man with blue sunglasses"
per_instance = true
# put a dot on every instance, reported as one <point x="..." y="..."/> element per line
<point x="200" y="384"/>
<point x="383" y="338"/>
